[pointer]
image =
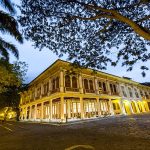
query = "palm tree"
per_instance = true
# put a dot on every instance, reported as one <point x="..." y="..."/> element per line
<point x="9" y="25"/>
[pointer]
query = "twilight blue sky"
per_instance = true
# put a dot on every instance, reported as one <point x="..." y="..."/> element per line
<point x="40" y="60"/>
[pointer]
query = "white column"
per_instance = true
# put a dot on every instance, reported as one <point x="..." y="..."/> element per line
<point x="98" y="107"/>
<point x="30" y="112"/>
<point x="131" y="108"/>
<point x="42" y="111"/>
<point x="61" y="81"/>
<point x="122" y="109"/>
<point x="108" y="87"/>
<point x="81" y="108"/>
<point x="68" y="106"/>
<point x="80" y="84"/>
<point x="119" y="90"/>
<point x="50" y="86"/>
<point x="25" y="113"/>
<point x="111" y="107"/>
<point x="62" y="108"/>
<point x="96" y="86"/>
<point x="137" y="107"/>
<point x="42" y="90"/>
<point x="142" y="105"/>
<point x="35" y="112"/>
<point x="50" y="110"/>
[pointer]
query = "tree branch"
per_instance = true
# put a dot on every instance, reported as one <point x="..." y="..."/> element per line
<point x="94" y="17"/>
<point x="113" y="14"/>
<point x="143" y="19"/>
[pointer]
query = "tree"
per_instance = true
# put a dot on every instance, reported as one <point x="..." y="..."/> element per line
<point x="8" y="24"/>
<point x="90" y="31"/>
<point x="11" y="75"/>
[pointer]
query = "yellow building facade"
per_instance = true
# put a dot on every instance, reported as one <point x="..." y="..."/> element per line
<point x="64" y="93"/>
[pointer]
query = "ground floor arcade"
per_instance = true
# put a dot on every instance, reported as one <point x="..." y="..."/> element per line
<point x="64" y="109"/>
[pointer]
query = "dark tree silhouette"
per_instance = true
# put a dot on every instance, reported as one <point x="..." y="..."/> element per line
<point x="8" y="24"/>
<point x="92" y="32"/>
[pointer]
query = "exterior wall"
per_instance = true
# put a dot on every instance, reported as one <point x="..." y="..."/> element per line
<point x="63" y="93"/>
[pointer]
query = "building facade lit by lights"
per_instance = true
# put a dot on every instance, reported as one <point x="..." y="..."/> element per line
<point x="65" y="93"/>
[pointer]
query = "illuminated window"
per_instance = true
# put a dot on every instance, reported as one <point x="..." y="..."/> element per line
<point x="67" y="81"/>
<point x="39" y="91"/>
<point x="116" y="106"/>
<point x="47" y="86"/>
<point x="86" y="84"/>
<point x="57" y="82"/>
<point x="130" y="92"/>
<point x="141" y="93"/>
<point x="146" y="95"/>
<point x="136" y="93"/>
<point x="53" y="84"/>
<point x="91" y="84"/>
<point x="113" y="88"/>
<point x="74" y="82"/>
<point x="123" y="91"/>
<point x="104" y="86"/>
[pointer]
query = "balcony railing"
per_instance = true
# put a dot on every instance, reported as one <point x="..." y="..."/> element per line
<point x="146" y="97"/>
<point x="32" y="99"/>
<point x="55" y="90"/>
<point x="89" y="91"/>
<point x="72" y="89"/>
<point x="115" y="93"/>
<point x="37" y="97"/>
<point x="45" y="94"/>
<point x="103" y="92"/>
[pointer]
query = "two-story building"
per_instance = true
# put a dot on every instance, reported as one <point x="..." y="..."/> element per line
<point x="63" y="93"/>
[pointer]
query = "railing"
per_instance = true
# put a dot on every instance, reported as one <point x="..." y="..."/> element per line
<point x="114" y="93"/>
<point x="45" y="94"/>
<point x="55" y="90"/>
<point x="37" y="97"/>
<point x="71" y="89"/>
<point x="103" y="92"/>
<point x="32" y="99"/>
<point x="146" y="97"/>
<point x="89" y="91"/>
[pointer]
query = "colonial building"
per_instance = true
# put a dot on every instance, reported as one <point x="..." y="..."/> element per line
<point x="63" y="93"/>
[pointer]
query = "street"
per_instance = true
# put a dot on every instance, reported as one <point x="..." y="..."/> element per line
<point x="110" y="133"/>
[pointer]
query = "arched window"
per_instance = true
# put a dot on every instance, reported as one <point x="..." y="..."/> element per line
<point x="91" y="84"/>
<point x="115" y="90"/>
<point x="47" y="86"/>
<point x="130" y="92"/>
<point x="74" y="82"/>
<point x="67" y="81"/>
<point x="100" y="84"/>
<point x="111" y="88"/>
<point x="104" y="86"/>
<point x="53" y="84"/>
<point x="86" y="84"/>
<point x="57" y="82"/>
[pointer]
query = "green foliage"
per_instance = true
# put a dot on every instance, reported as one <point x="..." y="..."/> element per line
<point x="92" y="32"/>
<point x="8" y="25"/>
<point x="11" y="75"/>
